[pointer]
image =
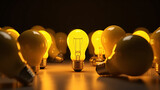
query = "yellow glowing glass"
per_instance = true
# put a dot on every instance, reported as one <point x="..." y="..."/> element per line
<point x="96" y="41"/>
<point x="77" y="42"/>
<point x="142" y="34"/>
<point x="13" y="33"/>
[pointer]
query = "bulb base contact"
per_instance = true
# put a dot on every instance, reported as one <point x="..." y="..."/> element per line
<point x="77" y="65"/>
<point x="26" y="75"/>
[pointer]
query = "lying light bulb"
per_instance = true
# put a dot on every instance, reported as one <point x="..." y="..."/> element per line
<point x="77" y="42"/>
<point x="61" y="41"/>
<point x="110" y="36"/>
<point x="10" y="63"/>
<point x="33" y="47"/>
<point x="155" y="42"/>
<point x="133" y="56"/>
<point x="98" y="48"/>
<point x="142" y="34"/>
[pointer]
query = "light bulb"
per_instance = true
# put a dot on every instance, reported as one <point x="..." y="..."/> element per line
<point x="77" y="42"/>
<point x="10" y="63"/>
<point x="98" y="48"/>
<point x="142" y="29"/>
<point x="61" y="41"/>
<point x="7" y="27"/>
<point x="51" y="31"/>
<point x="155" y="43"/>
<point x="13" y="33"/>
<point x="38" y="27"/>
<point x="133" y="55"/>
<point x="142" y="34"/>
<point x="33" y="47"/>
<point x="110" y="36"/>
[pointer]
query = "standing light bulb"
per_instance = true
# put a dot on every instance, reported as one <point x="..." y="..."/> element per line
<point x="97" y="44"/>
<point x="142" y="29"/>
<point x="33" y="47"/>
<point x="110" y="36"/>
<point x="77" y="42"/>
<point x="61" y="41"/>
<point x="10" y="63"/>
<point x="155" y="43"/>
<point x="133" y="55"/>
<point x="142" y="34"/>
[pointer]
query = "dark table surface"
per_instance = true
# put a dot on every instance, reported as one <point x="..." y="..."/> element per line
<point x="60" y="76"/>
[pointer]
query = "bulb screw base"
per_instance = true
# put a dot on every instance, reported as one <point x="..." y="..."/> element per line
<point x="43" y="63"/>
<point x="101" y="69"/>
<point x="26" y="75"/>
<point x="59" y="58"/>
<point x="77" y="65"/>
<point x="35" y="68"/>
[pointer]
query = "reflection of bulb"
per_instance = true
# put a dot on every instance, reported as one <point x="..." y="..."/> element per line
<point x="155" y="42"/>
<point x="33" y="47"/>
<point x="98" y="48"/>
<point x="77" y="42"/>
<point x="142" y="34"/>
<point x="133" y="55"/>
<point x="61" y="41"/>
<point x="10" y="63"/>
<point x="110" y="36"/>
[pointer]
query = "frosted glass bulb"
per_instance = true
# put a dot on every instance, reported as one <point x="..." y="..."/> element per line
<point x="77" y="42"/>
<point x="110" y="36"/>
<point x="33" y="47"/>
<point x="10" y="63"/>
<point x="133" y="55"/>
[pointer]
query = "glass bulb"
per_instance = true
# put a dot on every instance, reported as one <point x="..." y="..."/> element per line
<point x="38" y="27"/>
<point x="133" y="55"/>
<point x="10" y="63"/>
<point x="33" y="47"/>
<point x="142" y="34"/>
<point x="61" y="41"/>
<point x="97" y="44"/>
<point x="110" y="36"/>
<point x="77" y="42"/>
<point x="90" y="46"/>
<point x="51" y="31"/>
<point x="142" y="29"/>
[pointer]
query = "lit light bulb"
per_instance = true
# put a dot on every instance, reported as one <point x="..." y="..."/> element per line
<point x="77" y="42"/>
<point x="142" y="34"/>
<point x="155" y="43"/>
<point x="133" y="55"/>
<point x="142" y="29"/>
<point x="110" y="36"/>
<point x="13" y="33"/>
<point x="98" y="48"/>
<point x="61" y="41"/>
<point x="10" y="63"/>
<point x="33" y="47"/>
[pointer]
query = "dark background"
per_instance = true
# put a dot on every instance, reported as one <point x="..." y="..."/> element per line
<point x="89" y="15"/>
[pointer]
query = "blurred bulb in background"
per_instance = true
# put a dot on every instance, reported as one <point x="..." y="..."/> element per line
<point x="51" y="31"/>
<point x="142" y="29"/>
<point x="155" y="43"/>
<point x="133" y="55"/>
<point x="7" y="27"/>
<point x="38" y="27"/>
<point x="61" y="42"/>
<point x="77" y="42"/>
<point x="142" y="34"/>
<point x="110" y="36"/>
<point x="98" y="48"/>
<point x="10" y="63"/>
<point x="33" y="47"/>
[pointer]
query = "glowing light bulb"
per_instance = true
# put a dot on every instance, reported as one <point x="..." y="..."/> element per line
<point x="155" y="43"/>
<point x="61" y="41"/>
<point x="110" y="36"/>
<point x="10" y="63"/>
<point x="98" y="48"/>
<point x="77" y="42"/>
<point x="142" y="34"/>
<point x="33" y="47"/>
<point x="133" y="55"/>
<point x="142" y="29"/>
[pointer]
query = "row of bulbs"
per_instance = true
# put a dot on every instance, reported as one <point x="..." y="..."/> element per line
<point x="125" y="53"/>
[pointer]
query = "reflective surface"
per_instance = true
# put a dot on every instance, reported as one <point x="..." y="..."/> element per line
<point x="60" y="76"/>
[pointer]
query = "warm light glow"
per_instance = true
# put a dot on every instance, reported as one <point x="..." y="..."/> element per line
<point x="90" y="46"/>
<point x="77" y="41"/>
<point x="142" y="34"/>
<point x="113" y="52"/>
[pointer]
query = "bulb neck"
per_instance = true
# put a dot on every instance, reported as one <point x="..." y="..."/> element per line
<point x="26" y="75"/>
<point x="101" y="69"/>
<point x="77" y="65"/>
<point x="43" y="63"/>
<point x="59" y="58"/>
<point x="35" y="68"/>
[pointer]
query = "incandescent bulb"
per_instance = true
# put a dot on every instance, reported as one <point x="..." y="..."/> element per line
<point x="155" y="43"/>
<point x="97" y="44"/>
<point x="142" y="34"/>
<point x="110" y="36"/>
<point x="133" y="55"/>
<point x="10" y="63"/>
<point x="77" y="42"/>
<point x="142" y="29"/>
<point x="90" y="45"/>
<point x="33" y="47"/>
<point x="61" y="41"/>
